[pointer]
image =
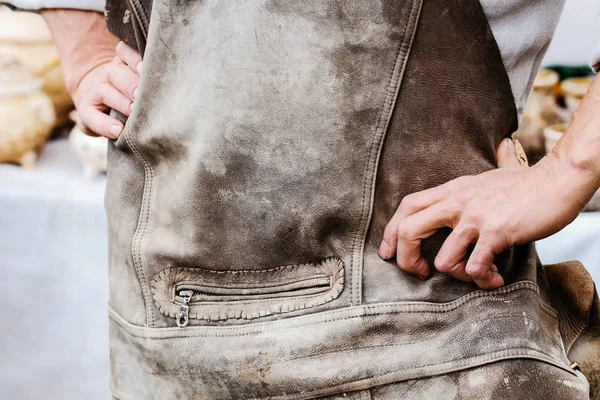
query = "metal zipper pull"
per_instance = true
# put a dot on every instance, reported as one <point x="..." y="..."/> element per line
<point x="184" y="308"/>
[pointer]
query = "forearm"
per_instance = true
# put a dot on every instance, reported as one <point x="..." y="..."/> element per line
<point x="83" y="42"/>
<point x="579" y="148"/>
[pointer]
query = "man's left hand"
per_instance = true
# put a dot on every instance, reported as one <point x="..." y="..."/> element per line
<point x="493" y="211"/>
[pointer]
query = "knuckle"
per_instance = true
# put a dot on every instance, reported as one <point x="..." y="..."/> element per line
<point x="492" y="230"/>
<point x="406" y="264"/>
<point x="409" y="204"/>
<point x="442" y="263"/>
<point x="464" y="195"/>
<point x="466" y="232"/>
<point x="388" y="236"/>
<point x="474" y="269"/>
<point x="453" y="203"/>
<point x="405" y="230"/>
<point x="458" y="183"/>
<point x="474" y="219"/>
<point x="84" y="115"/>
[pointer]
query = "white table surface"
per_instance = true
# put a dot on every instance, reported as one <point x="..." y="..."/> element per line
<point x="53" y="340"/>
<point x="53" y="291"/>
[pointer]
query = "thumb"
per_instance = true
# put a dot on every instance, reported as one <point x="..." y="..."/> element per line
<point x="506" y="155"/>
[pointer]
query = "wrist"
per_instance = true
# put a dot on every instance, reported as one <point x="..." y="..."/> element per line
<point x="575" y="182"/>
<point x="92" y="44"/>
<point x="76" y="73"/>
<point x="579" y="159"/>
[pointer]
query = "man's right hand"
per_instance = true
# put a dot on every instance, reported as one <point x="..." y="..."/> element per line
<point x="108" y="86"/>
<point x="98" y="76"/>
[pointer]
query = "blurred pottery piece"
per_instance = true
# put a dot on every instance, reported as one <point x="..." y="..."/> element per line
<point x="91" y="150"/>
<point x="541" y="110"/>
<point x="27" y="114"/>
<point x="552" y="135"/>
<point x="574" y="89"/>
<point x="54" y="87"/>
<point x="25" y="36"/>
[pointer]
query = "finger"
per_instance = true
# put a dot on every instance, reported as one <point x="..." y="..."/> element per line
<point x="100" y="123"/>
<point x="481" y="268"/>
<point x="506" y="156"/>
<point x="455" y="248"/>
<point x="412" y="230"/>
<point x="458" y="271"/>
<point x="116" y="100"/>
<point x="409" y="205"/>
<point x="123" y="78"/>
<point x="130" y="57"/>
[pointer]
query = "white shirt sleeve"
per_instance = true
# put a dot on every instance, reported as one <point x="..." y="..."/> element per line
<point x="92" y="5"/>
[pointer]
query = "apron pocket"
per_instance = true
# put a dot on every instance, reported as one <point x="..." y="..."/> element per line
<point x="203" y="294"/>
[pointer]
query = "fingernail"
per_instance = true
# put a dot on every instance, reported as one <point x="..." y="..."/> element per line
<point x="511" y="145"/>
<point x="494" y="268"/>
<point x="115" y="130"/>
<point x="131" y="106"/>
<point x="384" y="250"/>
<point x="138" y="68"/>
<point x="135" y="93"/>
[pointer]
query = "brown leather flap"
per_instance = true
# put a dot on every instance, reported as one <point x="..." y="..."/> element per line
<point x="573" y="293"/>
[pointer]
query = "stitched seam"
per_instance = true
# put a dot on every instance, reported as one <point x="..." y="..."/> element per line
<point x="319" y="299"/>
<point x="369" y="178"/>
<point x="374" y="310"/>
<point x="454" y="365"/>
<point x="250" y="271"/>
<point x="388" y="377"/>
<point x="141" y="16"/>
<point x="436" y="308"/>
<point x="141" y="231"/>
<point x="315" y="355"/>
<point x="585" y="325"/>
<point x="274" y="304"/>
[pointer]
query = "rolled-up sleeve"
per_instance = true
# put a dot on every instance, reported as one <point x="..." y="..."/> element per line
<point x="92" y="5"/>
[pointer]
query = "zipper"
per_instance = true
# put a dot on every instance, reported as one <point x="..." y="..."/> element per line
<point x="184" y="294"/>
<point x="183" y="318"/>
<point x="203" y="292"/>
<point x="140" y="15"/>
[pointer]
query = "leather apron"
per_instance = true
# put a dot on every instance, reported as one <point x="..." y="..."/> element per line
<point x="271" y="142"/>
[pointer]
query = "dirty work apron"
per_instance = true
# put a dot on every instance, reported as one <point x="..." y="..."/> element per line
<point x="271" y="142"/>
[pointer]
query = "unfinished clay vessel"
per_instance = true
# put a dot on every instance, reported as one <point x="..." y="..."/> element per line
<point x="574" y="89"/>
<point x="25" y="36"/>
<point x="540" y="111"/>
<point x="27" y="114"/>
<point x="92" y="151"/>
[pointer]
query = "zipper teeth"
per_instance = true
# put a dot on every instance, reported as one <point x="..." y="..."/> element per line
<point x="308" y="282"/>
<point x="140" y="16"/>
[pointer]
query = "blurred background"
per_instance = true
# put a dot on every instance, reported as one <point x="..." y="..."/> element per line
<point x="53" y="245"/>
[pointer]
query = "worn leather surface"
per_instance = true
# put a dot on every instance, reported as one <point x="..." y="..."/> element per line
<point x="454" y="107"/>
<point x="273" y="133"/>
<point x="576" y="299"/>
<point x="129" y="21"/>
<point x="348" y="349"/>
<point x="572" y="292"/>
<point x="506" y="380"/>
